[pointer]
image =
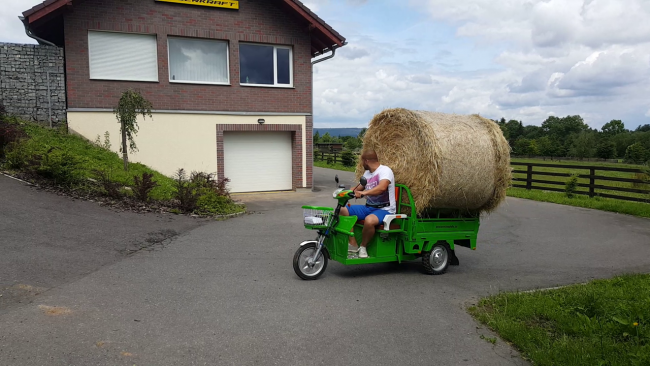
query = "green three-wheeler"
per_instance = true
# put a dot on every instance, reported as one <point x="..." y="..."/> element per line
<point x="432" y="236"/>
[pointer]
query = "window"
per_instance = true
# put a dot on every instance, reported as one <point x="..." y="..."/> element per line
<point x="200" y="61"/>
<point x="265" y="65"/>
<point x="122" y="56"/>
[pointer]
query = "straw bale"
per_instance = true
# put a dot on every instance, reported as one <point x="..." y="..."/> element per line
<point x="448" y="161"/>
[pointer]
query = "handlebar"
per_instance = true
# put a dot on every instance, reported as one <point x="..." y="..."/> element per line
<point x="351" y="194"/>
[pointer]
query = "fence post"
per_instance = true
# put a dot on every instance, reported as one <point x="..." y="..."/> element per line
<point x="334" y="157"/>
<point x="592" y="181"/>
<point x="529" y="177"/>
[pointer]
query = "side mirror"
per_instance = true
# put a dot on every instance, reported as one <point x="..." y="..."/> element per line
<point x="363" y="181"/>
<point x="336" y="179"/>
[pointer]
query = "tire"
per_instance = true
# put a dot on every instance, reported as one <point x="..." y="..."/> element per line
<point x="436" y="261"/>
<point x="301" y="267"/>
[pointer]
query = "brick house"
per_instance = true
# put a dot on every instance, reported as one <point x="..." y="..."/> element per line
<point x="230" y="81"/>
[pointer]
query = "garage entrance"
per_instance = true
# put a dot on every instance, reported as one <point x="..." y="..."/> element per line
<point x="258" y="161"/>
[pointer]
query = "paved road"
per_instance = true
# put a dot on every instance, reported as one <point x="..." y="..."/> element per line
<point x="225" y="294"/>
<point x="48" y="240"/>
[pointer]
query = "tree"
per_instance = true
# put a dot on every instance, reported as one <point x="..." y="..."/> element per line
<point x="546" y="146"/>
<point x="130" y="105"/>
<point x="644" y="128"/>
<point x="532" y="132"/>
<point x="362" y="133"/>
<point x="316" y="137"/>
<point x="636" y="154"/>
<point x="521" y="146"/>
<point x="613" y="127"/>
<point x="562" y="128"/>
<point x="352" y="144"/>
<point x="584" y="146"/>
<point x="515" y="130"/>
<point x="606" y="149"/>
<point x="326" y="139"/>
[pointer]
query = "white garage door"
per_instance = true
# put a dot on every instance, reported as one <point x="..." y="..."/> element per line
<point x="258" y="161"/>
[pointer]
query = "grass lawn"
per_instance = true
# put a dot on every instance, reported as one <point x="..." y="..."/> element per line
<point x="44" y="142"/>
<point x="337" y="166"/>
<point x="605" y="322"/>
<point x="93" y="157"/>
<point x="598" y="203"/>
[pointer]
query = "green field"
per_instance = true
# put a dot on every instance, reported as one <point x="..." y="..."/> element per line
<point x="562" y="180"/>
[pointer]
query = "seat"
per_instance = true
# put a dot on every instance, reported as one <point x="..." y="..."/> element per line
<point x="381" y="225"/>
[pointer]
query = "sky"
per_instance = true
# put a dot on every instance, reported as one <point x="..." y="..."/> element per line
<point x="516" y="59"/>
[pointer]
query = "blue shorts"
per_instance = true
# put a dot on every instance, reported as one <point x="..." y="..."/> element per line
<point x="362" y="211"/>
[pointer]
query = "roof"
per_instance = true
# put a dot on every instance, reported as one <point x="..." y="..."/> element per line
<point x="324" y="37"/>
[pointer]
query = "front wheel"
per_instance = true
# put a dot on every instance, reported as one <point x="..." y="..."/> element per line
<point x="301" y="262"/>
<point x="436" y="261"/>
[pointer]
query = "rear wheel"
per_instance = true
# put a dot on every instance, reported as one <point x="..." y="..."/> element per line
<point x="306" y="270"/>
<point x="436" y="261"/>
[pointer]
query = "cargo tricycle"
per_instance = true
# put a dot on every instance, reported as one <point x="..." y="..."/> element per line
<point x="431" y="236"/>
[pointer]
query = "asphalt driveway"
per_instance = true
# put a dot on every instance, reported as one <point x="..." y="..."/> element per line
<point x="225" y="293"/>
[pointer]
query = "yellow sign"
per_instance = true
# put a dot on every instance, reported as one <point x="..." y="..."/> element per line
<point x="232" y="4"/>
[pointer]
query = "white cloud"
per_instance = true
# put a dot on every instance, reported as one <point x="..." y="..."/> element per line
<point x="557" y="57"/>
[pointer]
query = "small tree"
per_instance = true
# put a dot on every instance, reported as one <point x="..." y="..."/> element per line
<point x="606" y="150"/>
<point x="131" y="104"/>
<point x="635" y="154"/>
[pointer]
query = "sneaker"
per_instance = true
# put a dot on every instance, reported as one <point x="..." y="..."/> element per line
<point x="363" y="253"/>
<point x="352" y="249"/>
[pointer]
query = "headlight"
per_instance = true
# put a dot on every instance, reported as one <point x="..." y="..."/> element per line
<point x="337" y="192"/>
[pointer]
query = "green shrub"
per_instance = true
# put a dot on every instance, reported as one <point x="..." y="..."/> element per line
<point x="60" y="165"/>
<point x="108" y="183"/>
<point x="571" y="186"/>
<point x="635" y="154"/>
<point x="188" y="191"/>
<point x="347" y="158"/>
<point x="210" y="203"/>
<point x="142" y="186"/>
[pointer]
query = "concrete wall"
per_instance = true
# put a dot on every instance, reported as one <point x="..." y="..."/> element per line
<point x="24" y="85"/>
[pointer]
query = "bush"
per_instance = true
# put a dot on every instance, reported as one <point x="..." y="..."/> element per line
<point x="211" y="203"/>
<point x="330" y="160"/>
<point x="571" y="186"/>
<point x="110" y="186"/>
<point x="347" y="158"/>
<point x="185" y="193"/>
<point x="143" y="186"/>
<point x="9" y="133"/>
<point x="635" y="154"/>
<point x="60" y="165"/>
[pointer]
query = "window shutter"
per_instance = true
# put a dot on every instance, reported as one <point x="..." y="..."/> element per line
<point x="122" y="56"/>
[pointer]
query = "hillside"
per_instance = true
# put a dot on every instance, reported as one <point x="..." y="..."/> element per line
<point x="338" y="131"/>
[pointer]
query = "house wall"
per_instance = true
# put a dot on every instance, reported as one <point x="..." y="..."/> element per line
<point x="256" y="21"/>
<point x="169" y="141"/>
<point x="183" y="130"/>
<point x="24" y="81"/>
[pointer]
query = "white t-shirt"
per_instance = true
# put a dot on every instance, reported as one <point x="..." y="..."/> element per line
<point x="381" y="173"/>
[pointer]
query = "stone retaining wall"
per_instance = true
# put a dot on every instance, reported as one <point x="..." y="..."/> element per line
<point x="24" y="81"/>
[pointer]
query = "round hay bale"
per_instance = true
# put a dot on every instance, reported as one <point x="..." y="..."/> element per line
<point x="448" y="161"/>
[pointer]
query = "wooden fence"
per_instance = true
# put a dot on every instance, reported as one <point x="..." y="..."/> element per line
<point x="528" y="177"/>
<point x="594" y="188"/>
<point x="321" y="156"/>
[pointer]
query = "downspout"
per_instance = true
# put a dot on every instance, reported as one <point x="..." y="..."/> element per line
<point x="330" y="56"/>
<point x="30" y="34"/>
<point x="313" y="187"/>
